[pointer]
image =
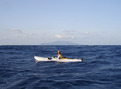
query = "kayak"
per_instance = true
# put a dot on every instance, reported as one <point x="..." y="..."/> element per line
<point x="38" y="59"/>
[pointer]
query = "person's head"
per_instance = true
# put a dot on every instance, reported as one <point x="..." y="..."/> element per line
<point x="58" y="52"/>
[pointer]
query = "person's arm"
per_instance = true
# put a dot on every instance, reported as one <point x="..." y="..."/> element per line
<point x="58" y="56"/>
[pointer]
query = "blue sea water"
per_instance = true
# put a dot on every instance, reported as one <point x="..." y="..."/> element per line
<point x="101" y="68"/>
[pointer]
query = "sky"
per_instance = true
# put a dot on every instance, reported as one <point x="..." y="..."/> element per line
<point x="84" y="22"/>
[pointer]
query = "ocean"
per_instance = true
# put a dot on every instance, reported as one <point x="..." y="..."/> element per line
<point x="100" y="69"/>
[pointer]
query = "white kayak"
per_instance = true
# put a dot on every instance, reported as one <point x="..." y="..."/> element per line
<point x="38" y="59"/>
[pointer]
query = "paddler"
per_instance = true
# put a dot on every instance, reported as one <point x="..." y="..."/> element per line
<point x="59" y="55"/>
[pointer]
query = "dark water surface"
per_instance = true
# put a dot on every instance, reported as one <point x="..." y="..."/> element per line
<point x="101" y="68"/>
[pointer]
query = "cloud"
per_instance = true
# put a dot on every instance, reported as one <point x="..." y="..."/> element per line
<point x="69" y="31"/>
<point x="86" y="33"/>
<point x="58" y="36"/>
<point x="16" y="30"/>
<point x="72" y="37"/>
<point x="75" y="32"/>
<point x="64" y="36"/>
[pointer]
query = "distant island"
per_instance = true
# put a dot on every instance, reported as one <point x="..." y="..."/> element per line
<point x="59" y="43"/>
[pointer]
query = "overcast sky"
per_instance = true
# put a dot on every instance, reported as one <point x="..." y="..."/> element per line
<point x="85" y="22"/>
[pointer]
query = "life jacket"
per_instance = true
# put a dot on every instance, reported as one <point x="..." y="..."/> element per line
<point x="60" y="56"/>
